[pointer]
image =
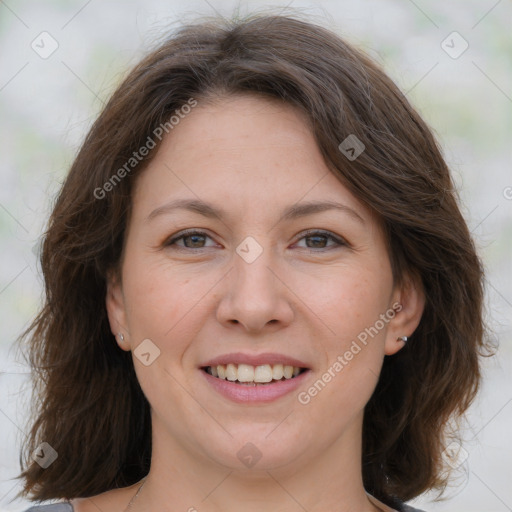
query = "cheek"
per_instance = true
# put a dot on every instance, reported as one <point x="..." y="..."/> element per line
<point x="352" y="305"/>
<point x="161" y="301"/>
<point x="163" y="307"/>
<point x="353" y="299"/>
<point x="352" y="308"/>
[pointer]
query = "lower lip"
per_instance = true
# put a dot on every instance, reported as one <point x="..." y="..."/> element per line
<point x="263" y="393"/>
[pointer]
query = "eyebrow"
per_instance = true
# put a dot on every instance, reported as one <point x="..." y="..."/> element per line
<point x="293" y="211"/>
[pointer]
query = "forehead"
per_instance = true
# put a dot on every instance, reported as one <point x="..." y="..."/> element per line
<point x="245" y="154"/>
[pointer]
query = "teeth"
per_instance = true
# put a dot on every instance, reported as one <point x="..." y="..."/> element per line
<point x="263" y="373"/>
<point x="231" y="372"/>
<point x="248" y="373"/>
<point x="245" y="373"/>
<point x="278" y="371"/>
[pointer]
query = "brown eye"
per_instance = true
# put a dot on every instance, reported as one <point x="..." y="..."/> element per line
<point x="316" y="241"/>
<point x="191" y="240"/>
<point x="319" y="240"/>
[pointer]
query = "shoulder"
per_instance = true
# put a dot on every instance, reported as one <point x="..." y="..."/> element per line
<point x="398" y="506"/>
<point x="408" y="508"/>
<point x="113" y="500"/>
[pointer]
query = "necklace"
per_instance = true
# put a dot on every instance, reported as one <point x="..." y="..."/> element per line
<point x="132" y="501"/>
<point x="134" y="497"/>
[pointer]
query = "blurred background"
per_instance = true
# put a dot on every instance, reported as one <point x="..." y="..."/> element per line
<point x="60" y="61"/>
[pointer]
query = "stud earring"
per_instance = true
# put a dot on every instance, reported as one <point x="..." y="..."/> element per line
<point x="402" y="338"/>
<point x="121" y="336"/>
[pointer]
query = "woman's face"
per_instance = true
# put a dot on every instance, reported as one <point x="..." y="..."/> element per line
<point x="269" y="281"/>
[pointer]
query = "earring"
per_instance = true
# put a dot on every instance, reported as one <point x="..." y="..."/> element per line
<point x="402" y="338"/>
<point x="121" y="336"/>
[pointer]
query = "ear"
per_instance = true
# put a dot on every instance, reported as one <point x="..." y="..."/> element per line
<point x="408" y="303"/>
<point x="116" y="312"/>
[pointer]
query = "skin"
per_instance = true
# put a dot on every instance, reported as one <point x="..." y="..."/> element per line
<point x="308" y="298"/>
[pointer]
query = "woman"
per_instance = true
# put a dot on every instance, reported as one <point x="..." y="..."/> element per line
<point x="260" y="290"/>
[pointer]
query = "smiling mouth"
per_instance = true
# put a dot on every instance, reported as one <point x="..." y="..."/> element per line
<point x="248" y="375"/>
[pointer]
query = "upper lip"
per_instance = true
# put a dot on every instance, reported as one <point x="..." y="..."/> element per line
<point x="255" y="359"/>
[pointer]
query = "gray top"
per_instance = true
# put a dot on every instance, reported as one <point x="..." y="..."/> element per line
<point x="55" y="507"/>
<point x="408" y="508"/>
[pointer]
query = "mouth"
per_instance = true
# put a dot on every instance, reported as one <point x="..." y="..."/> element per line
<point x="250" y="375"/>
<point x="253" y="379"/>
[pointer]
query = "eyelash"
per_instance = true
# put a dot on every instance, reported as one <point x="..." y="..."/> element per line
<point x="307" y="234"/>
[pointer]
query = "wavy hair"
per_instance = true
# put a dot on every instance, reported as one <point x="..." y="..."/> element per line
<point x="87" y="402"/>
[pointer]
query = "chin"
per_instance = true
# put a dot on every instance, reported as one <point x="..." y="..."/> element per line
<point x="252" y="451"/>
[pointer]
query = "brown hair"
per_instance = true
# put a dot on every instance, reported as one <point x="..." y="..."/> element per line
<point x="88" y="403"/>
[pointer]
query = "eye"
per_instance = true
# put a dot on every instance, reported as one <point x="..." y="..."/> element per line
<point x="195" y="239"/>
<point x="320" y="238"/>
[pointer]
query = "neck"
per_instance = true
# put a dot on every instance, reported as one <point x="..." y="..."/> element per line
<point x="330" y="480"/>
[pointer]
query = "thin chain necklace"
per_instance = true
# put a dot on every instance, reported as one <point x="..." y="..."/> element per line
<point x="132" y="501"/>
<point x="134" y="497"/>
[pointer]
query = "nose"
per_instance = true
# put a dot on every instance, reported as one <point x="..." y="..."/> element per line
<point x="255" y="296"/>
